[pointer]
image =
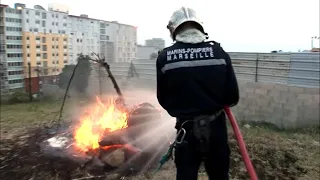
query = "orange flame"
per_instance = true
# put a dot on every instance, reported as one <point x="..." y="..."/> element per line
<point x="102" y="118"/>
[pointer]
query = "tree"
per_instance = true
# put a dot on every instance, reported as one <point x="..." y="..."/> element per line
<point x="81" y="75"/>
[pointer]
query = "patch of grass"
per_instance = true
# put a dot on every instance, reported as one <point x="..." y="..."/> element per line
<point x="16" y="118"/>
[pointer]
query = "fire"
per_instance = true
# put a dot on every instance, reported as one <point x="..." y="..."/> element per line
<point x="100" y="119"/>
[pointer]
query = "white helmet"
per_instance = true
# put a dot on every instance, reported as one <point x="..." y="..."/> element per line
<point x="181" y="16"/>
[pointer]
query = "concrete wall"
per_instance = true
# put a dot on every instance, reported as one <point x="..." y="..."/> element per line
<point x="281" y="105"/>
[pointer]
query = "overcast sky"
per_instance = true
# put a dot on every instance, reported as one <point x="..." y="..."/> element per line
<point x="239" y="25"/>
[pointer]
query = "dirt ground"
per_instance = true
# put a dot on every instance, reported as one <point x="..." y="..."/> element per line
<point x="276" y="155"/>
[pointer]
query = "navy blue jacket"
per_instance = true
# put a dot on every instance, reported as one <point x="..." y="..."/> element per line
<point x="195" y="79"/>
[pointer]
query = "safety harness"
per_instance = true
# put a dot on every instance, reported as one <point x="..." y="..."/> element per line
<point x="201" y="130"/>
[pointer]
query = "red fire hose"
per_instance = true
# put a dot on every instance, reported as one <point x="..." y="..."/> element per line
<point x="242" y="146"/>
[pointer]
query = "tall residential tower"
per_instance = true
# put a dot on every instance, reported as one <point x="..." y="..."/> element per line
<point x="11" y="58"/>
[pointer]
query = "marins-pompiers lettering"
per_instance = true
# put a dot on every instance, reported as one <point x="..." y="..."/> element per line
<point x="190" y="53"/>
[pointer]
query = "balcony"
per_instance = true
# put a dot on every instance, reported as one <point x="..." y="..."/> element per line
<point x="14" y="59"/>
<point x="15" y="68"/>
<point x="13" y="33"/>
<point x="13" y="24"/>
<point x="14" y="42"/>
<point x="12" y="15"/>
<point x="14" y="50"/>
<point x="18" y="76"/>
<point x="16" y="85"/>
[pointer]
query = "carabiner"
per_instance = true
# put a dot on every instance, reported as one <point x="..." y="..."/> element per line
<point x="182" y="130"/>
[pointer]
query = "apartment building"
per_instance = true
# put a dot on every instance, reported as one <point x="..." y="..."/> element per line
<point x="156" y="42"/>
<point x="84" y="36"/>
<point x="11" y="57"/>
<point x="45" y="40"/>
<point x="126" y="41"/>
<point x="147" y="52"/>
<point x="114" y="41"/>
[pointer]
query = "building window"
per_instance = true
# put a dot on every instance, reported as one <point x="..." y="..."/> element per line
<point x="14" y="37"/>
<point x="43" y="23"/>
<point x="27" y="20"/>
<point x="57" y="24"/>
<point x="14" y="55"/>
<point x="44" y="56"/>
<point x="38" y="55"/>
<point x="15" y="72"/>
<point x="38" y="62"/>
<point x="35" y="29"/>
<point x="44" y="15"/>
<point x="15" y="81"/>
<point x="65" y="47"/>
<point x="28" y="55"/>
<point x="37" y="13"/>
<point x="13" y="46"/>
<point x="44" y="47"/>
<point x="13" y="29"/>
<point x="15" y="63"/>
<point x="65" y="54"/>
<point x="38" y="38"/>
<point x="37" y="22"/>
<point x="52" y="47"/>
<point x="44" y="39"/>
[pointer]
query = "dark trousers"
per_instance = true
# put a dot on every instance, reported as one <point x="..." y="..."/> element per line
<point x="188" y="157"/>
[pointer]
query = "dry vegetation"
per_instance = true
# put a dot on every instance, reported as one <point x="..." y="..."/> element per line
<point x="276" y="154"/>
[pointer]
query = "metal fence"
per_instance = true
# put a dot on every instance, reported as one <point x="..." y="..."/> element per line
<point x="296" y="69"/>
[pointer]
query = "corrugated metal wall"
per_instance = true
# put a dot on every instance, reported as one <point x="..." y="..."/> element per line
<point x="298" y="69"/>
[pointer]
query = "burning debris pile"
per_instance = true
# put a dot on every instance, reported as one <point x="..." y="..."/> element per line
<point x="108" y="136"/>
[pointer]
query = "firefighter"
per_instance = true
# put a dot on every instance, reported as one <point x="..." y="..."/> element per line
<point x="195" y="80"/>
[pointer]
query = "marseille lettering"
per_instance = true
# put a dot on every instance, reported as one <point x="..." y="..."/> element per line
<point x="190" y="53"/>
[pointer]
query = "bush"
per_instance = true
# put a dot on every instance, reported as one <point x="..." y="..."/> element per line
<point x="18" y="97"/>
